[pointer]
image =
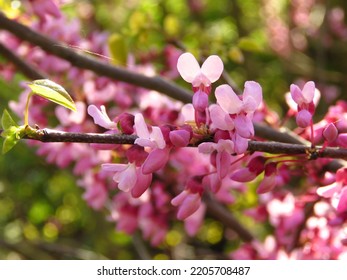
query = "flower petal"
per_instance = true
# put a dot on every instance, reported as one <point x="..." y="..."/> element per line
<point x="220" y="119"/>
<point x="157" y="137"/>
<point x="303" y="118"/>
<point x="142" y="183"/>
<point x="328" y="191"/>
<point x="206" y="147"/>
<point x="189" y="206"/>
<point x="253" y="91"/>
<point x="228" y="100"/>
<point x="297" y="96"/>
<point x="114" y="167"/>
<point x="100" y="117"/>
<point x="188" y="67"/>
<point x="127" y="178"/>
<point x="155" y="160"/>
<point x="244" y="126"/>
<point x="342" y="205"/>
<point x="141" y="126"/>
<point x="212" y="68"/>
<point x="308" y="91"/>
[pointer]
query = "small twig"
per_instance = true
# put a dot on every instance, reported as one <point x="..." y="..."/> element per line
<point x="87" y="62"/>
<point x="308" y="212"/>
<point x="24" y="67"/>
<point x="48" y="135"/>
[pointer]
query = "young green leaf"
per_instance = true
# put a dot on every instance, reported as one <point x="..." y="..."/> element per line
<point x="10" y="140"/>
<point x="7" y="121"/>
<point x="53" y="92"/>
<point x="12" y="132"/>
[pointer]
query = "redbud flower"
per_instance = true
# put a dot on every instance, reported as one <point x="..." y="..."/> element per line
<point x="305" y="100"/>
<point x="337" y="191"/>
<point x="100" y="117"/>
<point x="330" y="133"/>
<point x="237" y="111"/>
<point x="269" y="181"/>
<point x="224" y="148"/>
<point x="125" y="174"/>
<point x="249" y="173"/>
<point x="44" y="7"/>
<point x="129" y="177"/>
<point x="190" y="71"/>
<point x="156" y="160"/>
<point x="153" y="139"/>
<point x="187" y="202"/>
<point x="180" y="137"/>
<point x="126" y="123"/>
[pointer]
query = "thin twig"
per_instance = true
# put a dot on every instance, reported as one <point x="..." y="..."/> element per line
<point x="87" y="62"/>
<point x="222" y="214"/>
<point x="156" y="83"/>
<point x="24" y="67"/>
<point x="49" y="135"/>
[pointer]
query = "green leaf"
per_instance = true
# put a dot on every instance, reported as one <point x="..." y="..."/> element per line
<point x="7" y="121"/>
<point x="12" y="135"/>
<point x="9" y="143"/>
<point x="118" y="49"/>
<point x="248" y="44"/>
<point x="53" y="92"/>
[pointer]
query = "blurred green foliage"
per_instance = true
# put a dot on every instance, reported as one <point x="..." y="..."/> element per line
<point x="42" y="214"/>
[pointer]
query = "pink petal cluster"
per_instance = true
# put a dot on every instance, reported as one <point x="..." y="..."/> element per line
<point x="337" y="191"/>
<point x="234" y="113"/>
<point x="305" y="106"/>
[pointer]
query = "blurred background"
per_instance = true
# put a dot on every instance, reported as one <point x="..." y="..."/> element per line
<point x="274" y="42"/>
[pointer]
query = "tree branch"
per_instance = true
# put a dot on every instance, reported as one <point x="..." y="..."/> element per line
<point x="156" y="83"/>
<point x="49" y="135"/>
<point x="86" y="62"/>
<point x="25" y="68"/>
<point x="222" y="214"/>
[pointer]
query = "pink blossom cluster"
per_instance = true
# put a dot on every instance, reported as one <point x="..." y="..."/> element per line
<point x="184" y="152"/>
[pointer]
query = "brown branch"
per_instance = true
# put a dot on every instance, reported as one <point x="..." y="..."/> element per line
<point x="24" y="67"/>
<point x="87" y="62"/>
<point x="222" y="214"/>
<point x="48" y="135"/>
<point x="103" y="69"/>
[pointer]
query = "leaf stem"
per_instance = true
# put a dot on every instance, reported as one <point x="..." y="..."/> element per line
<point x="26" y="111"/>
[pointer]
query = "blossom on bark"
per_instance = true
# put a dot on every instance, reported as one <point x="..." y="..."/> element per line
<point x="304" y="98"/>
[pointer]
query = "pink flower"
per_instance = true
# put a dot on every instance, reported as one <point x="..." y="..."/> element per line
<point x="44" y="7"/>
<point x="129" y="177"/>
<point x="156" y="160"/>
<point x="337" y="191"/>
<point x="233" y="104"/>
<point x="305" y="100"/>
<point x="269" y="181"/>
<point x="100" y="117"/>
<point x="194" y="222"/>
<point x="236" y="112"/>
<point x="153" y="139"/>
<point x="304" y="96"/>
<point x="224" y="148"/>
<point x="190" y="71"/>
<point x="330" y="133"/>
<point x="201" y="80"/>
<point x="187" y="202"/>
<point x="180" y="137"/>
<point x="251" y="171"/>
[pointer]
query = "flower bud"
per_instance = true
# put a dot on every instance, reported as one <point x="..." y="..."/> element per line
<point x="303" y="118"/>
<point x="330" y="133"/>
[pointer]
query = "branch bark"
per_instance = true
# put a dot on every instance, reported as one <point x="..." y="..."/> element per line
<point x="49" y="135"/>
<point x="24" y="67"/>
<point x="155" y="83"/>
<point x="87" y="62"/>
